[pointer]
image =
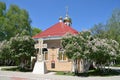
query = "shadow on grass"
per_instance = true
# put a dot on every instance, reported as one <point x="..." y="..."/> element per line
<point x="64" y="73"/>
<point x="107" y="72"/>
<point x="17" y="69"/>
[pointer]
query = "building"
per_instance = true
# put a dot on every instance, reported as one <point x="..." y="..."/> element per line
<point x="53" y="54"/>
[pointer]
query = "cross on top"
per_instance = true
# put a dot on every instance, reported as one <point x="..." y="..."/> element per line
<point x="66" y="10"/>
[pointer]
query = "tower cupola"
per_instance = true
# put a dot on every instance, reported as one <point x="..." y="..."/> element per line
<point x="67" y="20"/>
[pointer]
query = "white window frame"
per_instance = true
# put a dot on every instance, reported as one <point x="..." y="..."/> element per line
<point x="63" y="52"/>
<point x="44" y="56"/>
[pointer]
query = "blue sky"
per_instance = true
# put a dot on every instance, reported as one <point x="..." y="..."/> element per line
<point x="84" y="13"/>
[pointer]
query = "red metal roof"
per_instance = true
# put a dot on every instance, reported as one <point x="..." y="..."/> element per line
<point x="58" y="29"/>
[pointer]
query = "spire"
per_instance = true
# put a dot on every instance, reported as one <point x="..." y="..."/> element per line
<point x="67" y="20"/>
<point x="67" y="11"/>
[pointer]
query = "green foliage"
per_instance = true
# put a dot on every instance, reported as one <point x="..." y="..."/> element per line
<point x="111" y="30"/>
<point x="97" y="72"/>
<point x="2" y="18"/>
<point x="76" y="45"/>
<point x="76" y="48"/>
<point x="19" y="48"/>
<point x="2" y="8"/>
<point x="104" y="51"/>
<point x="84" y="46"/>
<point x="22" y="46"/>
<point x="13" y="21"/>
<point x="16" y="69"/>
<point x="99" y="30"/>
<point x="5" y="53"/>
<point x="91" y="73"/>
<point x="35" y="31"/>
<point x="113" y="26"/>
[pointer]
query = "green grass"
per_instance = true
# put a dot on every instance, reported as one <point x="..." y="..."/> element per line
<point x="100" y="73"/>
<point x="91" y="73"/>
<point x="64" y="73"/>
<point x="16" y="69"/>
<point x="116" y="65"/>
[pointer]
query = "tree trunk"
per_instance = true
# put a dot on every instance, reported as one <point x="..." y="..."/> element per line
<point x="86" y="65"/>
<point x="22" y="63"/>
<point x="74" y="68"/>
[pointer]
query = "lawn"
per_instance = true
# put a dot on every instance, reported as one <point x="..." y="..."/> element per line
<point x="16" y="69"/>
<point x="91" y="73"/>
<point x="116" y="65"/>
<point x="64" y="73"/>
<point x="94" y="72"/>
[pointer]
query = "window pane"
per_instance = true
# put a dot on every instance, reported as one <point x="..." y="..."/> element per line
<point x="46" y="55"/>
<point x="64" y="57"/>
<point x="60" y="56"/>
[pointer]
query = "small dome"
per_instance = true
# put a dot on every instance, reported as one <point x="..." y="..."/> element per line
<point x="60" y="19"/>
<point x="67" y="19"/>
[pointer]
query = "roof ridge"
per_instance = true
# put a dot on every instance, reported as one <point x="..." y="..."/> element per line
<point x="58" y="29"/>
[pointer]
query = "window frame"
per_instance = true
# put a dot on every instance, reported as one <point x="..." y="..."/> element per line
<point x="44" y="55"/>
<point x="62" y="53"/>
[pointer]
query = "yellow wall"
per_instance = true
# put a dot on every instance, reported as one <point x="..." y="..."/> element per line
<point x="59" y="65"/>
<point x="53" y="50"/>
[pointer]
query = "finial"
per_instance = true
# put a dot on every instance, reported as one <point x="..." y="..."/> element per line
<point x="67" y="20"/>
<point x="60" y="19"/>
<point x="66" y="10"/>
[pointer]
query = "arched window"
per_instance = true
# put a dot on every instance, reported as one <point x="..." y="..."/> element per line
<point x="62" y="55"/>
<point x="45" y="54"/>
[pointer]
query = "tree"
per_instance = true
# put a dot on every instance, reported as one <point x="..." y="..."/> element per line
<point x="13" y="21"/>
<point x="19" y="48"/>
<point x="99" y="30"/>
<point x="76" y="48"/>
<point x="2" y="18"/>
<point x="5" y="53"/>
<point x="104" y="51"/>
<point x="113" y="26"/>
<point x="111" y="30"/>
<point x="35" y="31"/>
<point x="22" y="48"/>
<point x="83" y="47"/>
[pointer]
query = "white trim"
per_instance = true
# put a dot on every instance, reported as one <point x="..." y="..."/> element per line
<point x="45" y="56"/>
<point x="62" y="60"/>
<point x="50" y="38"/>
<point x="57" y="54"/>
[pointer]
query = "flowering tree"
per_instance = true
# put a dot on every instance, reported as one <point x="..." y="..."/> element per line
<point x="5" y="55"/>
<point x="83" y="47"/>
<point x="103" y="51"/>
<point x="22" y="48"/>
<point x="19" y="48"/>
<point x="76" y="48"/>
